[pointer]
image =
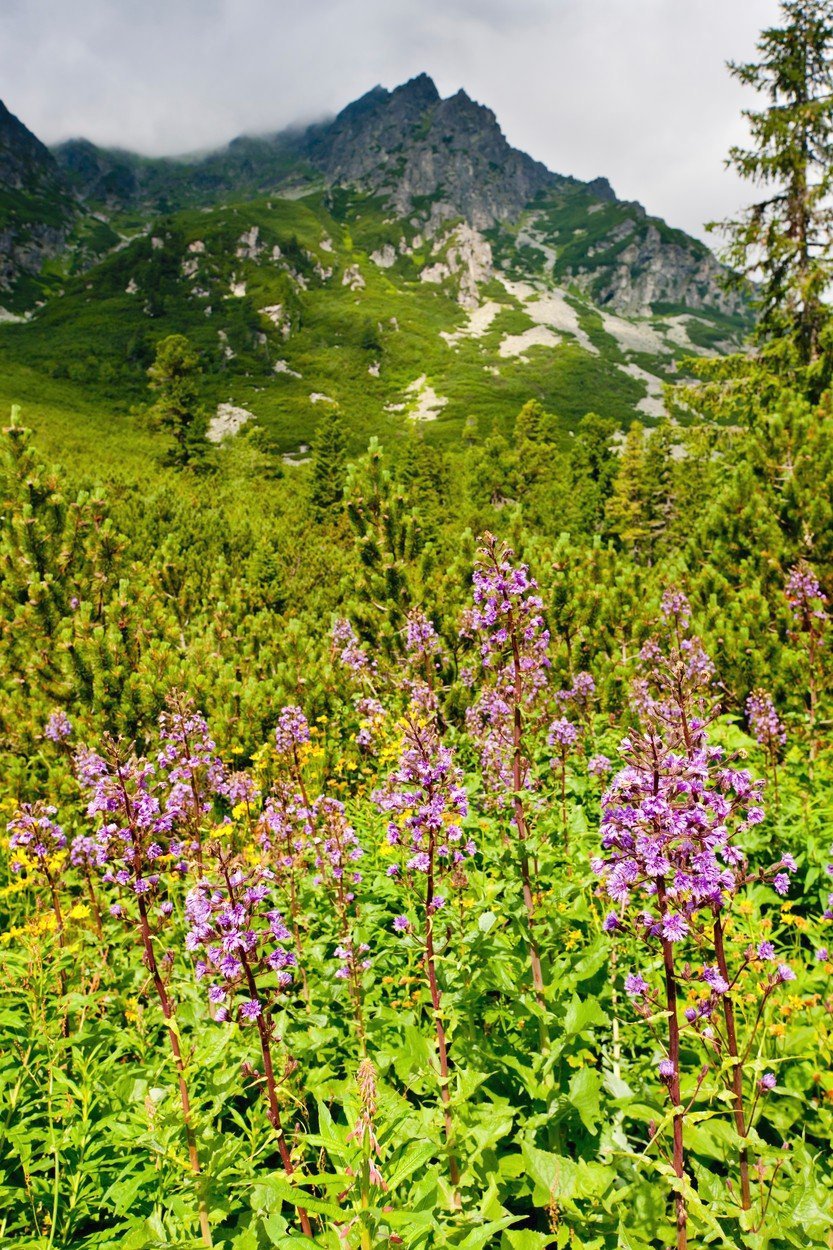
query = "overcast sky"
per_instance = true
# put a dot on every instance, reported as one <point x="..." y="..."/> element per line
<point x="636" y="90"/>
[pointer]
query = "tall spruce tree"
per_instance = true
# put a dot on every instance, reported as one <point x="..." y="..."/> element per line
<point x="329" y="463"/>
<point x="784" y="240"/>
<point x="174" y="375"/>
<point x="626" y="510"/>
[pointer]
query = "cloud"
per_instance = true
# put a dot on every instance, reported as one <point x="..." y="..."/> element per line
<point x="636" y="90"/>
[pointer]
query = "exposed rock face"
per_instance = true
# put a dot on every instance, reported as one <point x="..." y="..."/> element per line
<point x="467" y="257"/>
<point x="442" y="164"/>
<point x="25" y="164"/>
<point x="410" y="144"/>
<point x="652" y="271"/>
<point x="37" y="211"/>
<point x="106" y="177"/>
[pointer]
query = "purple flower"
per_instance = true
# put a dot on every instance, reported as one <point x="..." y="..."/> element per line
<point x="785" y="973"/>
<point x="401" y="924"/>
<point x="507" y="621"/>
<point x="674" y="928"/>
<point x="562" y="733"/>
<point x="781" y="883"/>
<point x="805" y="596"/>
<point x="35" y="833"/>
<point x="372" y="716"/>
<point x="237" y="931"/>
<point x="292" y="730"/>
<point x="716" y="981"/>
<point x="666" y="1069"/>
<point x="766" y="950"/>
<point x="676" y="607"/>
<point x="350" y="653"/>
<point x="635" y="985"/>
<point x="58" y="728"/>
<point x="764" y="721"/>
<point x="425" y="800"/>
<point x="599" y="765"/>
<point x="421" y="637"/>
<point x="187" y="759"/>
<point x="822" y="954"/>
<point x="767" y="1082"/>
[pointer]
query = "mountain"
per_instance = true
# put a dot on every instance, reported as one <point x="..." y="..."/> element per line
<point x="412" y="146"/>
<point x="400" y="260"/>
<point x="36" y="206"/>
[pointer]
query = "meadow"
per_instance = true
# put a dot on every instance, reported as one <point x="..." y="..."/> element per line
<point x="422" y="839"/>
<point x="371" y="880"/>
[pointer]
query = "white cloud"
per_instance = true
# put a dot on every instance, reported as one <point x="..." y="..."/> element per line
<point x="636" y="90"/>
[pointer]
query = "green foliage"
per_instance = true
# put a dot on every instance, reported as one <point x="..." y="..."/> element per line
<point x="784" y="240"/>
<point x="174" y="376"/>
<point x="329" y="463"/>
<point x="122" y="579"/>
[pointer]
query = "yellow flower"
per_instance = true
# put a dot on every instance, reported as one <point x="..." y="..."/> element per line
<point x="79" y="911"/>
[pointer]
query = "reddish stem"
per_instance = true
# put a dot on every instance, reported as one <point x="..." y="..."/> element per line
<point x="168" y="1012"/>
<point x="520" y="819"/>
<point x="736" y="1082"/>
<point x="436" y="1003"/>
<point x="674" y="1081"/>
<point x="268" y="1069"/>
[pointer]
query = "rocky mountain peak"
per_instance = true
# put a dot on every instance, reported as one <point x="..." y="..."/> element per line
<point x="415" y="146"/>
<point x="421" y="90"/>
<point x="25" y="163"/>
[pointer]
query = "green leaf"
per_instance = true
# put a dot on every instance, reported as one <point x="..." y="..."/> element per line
<point x="417" y="1156"/>
<point x="584" y="1096"/>
<point x="482" y="1236"/>
<point x="524" y="1239"/>
<point x="583" y="1013"/>
<point x="266" y="1195"/>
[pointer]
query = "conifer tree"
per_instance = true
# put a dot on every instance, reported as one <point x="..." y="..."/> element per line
<point x="389" y="544"/>
<point x="592" y="470"/>
<point x="626" y="508"/>
<point x="784" y="240"/>
<point x="659" y="483"/>
<point x="174" y="375"/>
<point x="329" y="462"/>
<point x="530" y="423"/>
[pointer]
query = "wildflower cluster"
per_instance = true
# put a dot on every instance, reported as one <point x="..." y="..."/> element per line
<point x="58" y="728"/>
<point x="242" y="939"/>
<point x="508" y="623"/>
<point x="425" y="799"/>
<point x="349" y="651"/>
<point x="764" y="722"/>
<point x="805" y="596"/>
<point x="672" y="864"/>
<point x="291" y="731"/>
<point x="35" y="839"/>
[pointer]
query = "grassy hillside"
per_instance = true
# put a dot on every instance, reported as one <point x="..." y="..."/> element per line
<point x="291" y="308"/>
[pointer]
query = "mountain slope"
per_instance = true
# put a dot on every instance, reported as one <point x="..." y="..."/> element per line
<point x="401" y="261"/>
<point x="36" y="207"/>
